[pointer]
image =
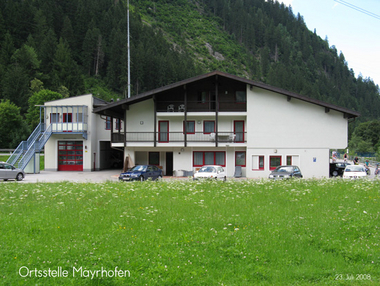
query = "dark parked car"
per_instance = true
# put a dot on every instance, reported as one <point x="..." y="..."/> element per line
<point x="337" y="168"/>
<point x="9" y="172"/>
<point x="141" y="173"/>
<point x="285" y="172"/>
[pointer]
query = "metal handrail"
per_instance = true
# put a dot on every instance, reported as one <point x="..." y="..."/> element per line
<point x="179" y="136"/>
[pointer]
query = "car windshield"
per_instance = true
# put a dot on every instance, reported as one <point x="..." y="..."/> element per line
<point x="284" y="169"/>
<point x="138" y="168"/>
<point x="207" y="170"/>
<point x="354" y="169"/>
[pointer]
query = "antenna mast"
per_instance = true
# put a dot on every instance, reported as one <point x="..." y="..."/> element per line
<point x="129" y="56"/>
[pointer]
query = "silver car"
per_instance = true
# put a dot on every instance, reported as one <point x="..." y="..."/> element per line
<point x="9" y="172"/>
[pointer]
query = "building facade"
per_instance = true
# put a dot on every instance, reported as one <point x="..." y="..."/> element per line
<point x="211" y="119"/>
<point x="218" y="118"/>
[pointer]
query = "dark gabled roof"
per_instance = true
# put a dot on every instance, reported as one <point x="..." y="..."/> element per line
<point x="116" y="109"/>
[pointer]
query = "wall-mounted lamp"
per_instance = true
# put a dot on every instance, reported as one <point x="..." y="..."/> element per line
<point x="199" y="122"/>
<point x="182" y="149"/>
<point x="141" y="122"/>
<point x="275" y="151"/>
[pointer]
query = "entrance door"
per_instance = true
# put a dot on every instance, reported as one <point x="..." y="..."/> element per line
<point x="169" y="163"/>
<point x="70" y="156"/>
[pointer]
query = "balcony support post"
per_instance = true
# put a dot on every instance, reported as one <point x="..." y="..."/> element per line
<point x="185" y="112"/>
<point x="155" y="121"/>
<point x="216" y="110"/>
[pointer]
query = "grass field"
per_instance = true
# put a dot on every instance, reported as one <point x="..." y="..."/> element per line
<point x="303" y="232"/>
<point x="4" y="158"/>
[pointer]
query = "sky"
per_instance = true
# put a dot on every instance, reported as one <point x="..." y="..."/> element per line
<point x="355" y="34"/>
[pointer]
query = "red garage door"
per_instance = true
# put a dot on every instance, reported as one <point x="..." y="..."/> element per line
<point x="70" y="156"/>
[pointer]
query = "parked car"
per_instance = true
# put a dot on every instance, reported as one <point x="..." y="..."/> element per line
<point x="9" y="172"/>
<point x="141" y="173"/>
<point x="211" y="172"/>
<point x="354" y="172"/>
<point x="285" y="172"/>
<point x="337" y="168"/>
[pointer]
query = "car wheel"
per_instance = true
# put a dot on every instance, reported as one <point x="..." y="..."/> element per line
<point x="225" y="178"/>
<point x="141" y="178"/>
<point x="19" y="177"/>
<point x="335" y="173"/>
<point x="159" y="178"/>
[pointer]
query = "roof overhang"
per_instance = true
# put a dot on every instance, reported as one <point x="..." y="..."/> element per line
<point x="116" y="109"/>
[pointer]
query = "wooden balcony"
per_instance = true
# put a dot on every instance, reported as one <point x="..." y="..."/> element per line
<point x="197" y="106"/>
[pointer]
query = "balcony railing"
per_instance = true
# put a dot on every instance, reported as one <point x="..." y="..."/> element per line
<point x="167" y="137"/>
<point x="201" y="106"/>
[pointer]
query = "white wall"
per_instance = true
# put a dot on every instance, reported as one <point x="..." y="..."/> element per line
<point x="140" y="117"/>
<point x="314" y="163"/>
<point x="89" y="146"/>
<point x="274" y="122"/>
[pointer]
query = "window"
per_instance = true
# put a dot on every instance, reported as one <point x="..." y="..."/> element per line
<point x="274" y="162"/>
<point x="257" y="163"/>
<point x="208" y="127"/>
<point x="202" y="97"/>
<point x="189" y="128"/>
<point x="79" y="117"/>
<point x="108" y="123"/>
<point x="241" y="97"/>
<point x="67" y="117"/>
<point x="239" y="130"/>
<point x="118" y="124"/>
<point x="54" y="117"/>
<point x="154" y="158"/>
<point x="288" y="160"/>
<point x="209" y="158"/>
<point x="240" y="158"/>
<point x="163" y="131"/>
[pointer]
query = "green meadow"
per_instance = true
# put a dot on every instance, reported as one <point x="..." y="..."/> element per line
<point x="248" y="232"/>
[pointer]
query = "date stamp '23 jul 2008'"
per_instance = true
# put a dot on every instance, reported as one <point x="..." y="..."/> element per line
<point x="353" y="277"/>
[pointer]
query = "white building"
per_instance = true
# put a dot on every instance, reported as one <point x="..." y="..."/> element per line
<point x="215" y="118"/>
<point x="231" y="121"/>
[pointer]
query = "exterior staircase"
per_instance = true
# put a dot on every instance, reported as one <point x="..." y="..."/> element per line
<point x="26" y="149"/>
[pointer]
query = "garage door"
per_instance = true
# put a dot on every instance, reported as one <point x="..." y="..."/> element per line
<point x="70" y="156"/>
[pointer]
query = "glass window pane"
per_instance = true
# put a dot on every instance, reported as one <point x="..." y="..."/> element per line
<point x="219" y="158"/>
<point x="209" y="158"/>
<point x="261" y="162"/>
<point x="164" y="128"/>
<point x="239" y="131"/>
<point x="241" y="96"/>
<point x="198" y="158"/>
<point x="190" y="127"/>
<point x="240" y="159"/>
<point x="209" y="126"/>
<point x="275" y="161"/>
<point x="154" y="158"/>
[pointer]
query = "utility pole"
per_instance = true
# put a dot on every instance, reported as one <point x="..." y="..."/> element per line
<point x="129" y="56"/>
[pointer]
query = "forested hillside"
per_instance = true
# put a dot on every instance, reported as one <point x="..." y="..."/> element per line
<point x="73" y="47"/>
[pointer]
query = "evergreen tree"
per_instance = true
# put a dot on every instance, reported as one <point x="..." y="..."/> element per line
<point x="66" y="71"/>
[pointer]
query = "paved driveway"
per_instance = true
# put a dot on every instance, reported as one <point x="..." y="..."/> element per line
<point x="47" y="176"/>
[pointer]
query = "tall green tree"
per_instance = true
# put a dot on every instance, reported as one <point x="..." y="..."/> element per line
<point x="39" y="98"/>
<point x="13" y="128"/>
<point x="66" y="71"/>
